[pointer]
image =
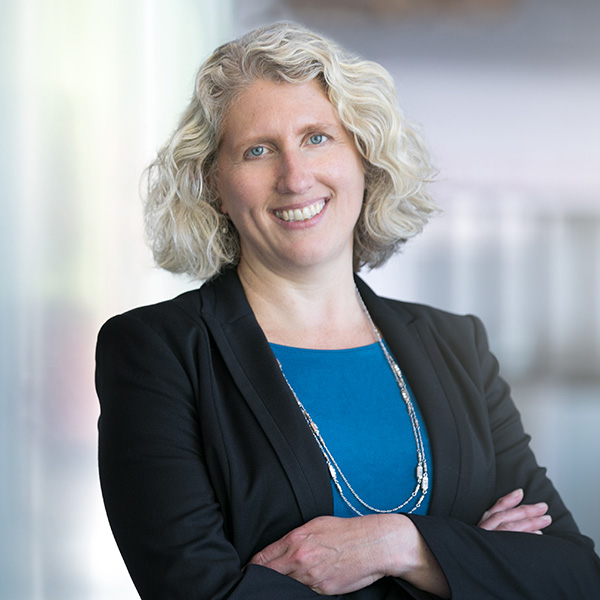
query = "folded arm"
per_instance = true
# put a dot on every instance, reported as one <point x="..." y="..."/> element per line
<point x="337" y="556"/>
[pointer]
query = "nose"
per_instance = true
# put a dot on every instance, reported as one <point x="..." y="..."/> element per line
<point x="296" y="173"/>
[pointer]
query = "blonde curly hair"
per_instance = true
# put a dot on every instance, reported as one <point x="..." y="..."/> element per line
<point x="185" y="227"/>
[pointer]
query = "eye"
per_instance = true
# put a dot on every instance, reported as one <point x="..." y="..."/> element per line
<point x="257" y="151"/>
<point x="317" y="138"/>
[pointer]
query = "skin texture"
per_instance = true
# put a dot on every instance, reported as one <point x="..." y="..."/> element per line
<point x="283" y="148"/>
<point x="337" y="556"/>
<point x="508" y="514"/>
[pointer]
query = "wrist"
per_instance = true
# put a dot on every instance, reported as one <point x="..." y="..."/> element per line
<point x="401" y="543"/>
<point x="408" y="556"/>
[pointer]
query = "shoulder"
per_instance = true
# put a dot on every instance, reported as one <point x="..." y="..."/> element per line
<point x="403" y="313"/>
<point x="170" y="320"/>
<point x="435" y="318"/>
<point x="186" y="305"/>
<point x="461" y="337"/>
<point x="184" y="322"/>
<point x="461" y="334"/>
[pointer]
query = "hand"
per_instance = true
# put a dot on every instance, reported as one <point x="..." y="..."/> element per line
<point x="328" y="554"/>
<point x="508" y="514"/>
<point x="338" y="556"/>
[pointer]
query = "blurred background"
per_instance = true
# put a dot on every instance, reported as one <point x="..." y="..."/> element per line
<point x="507" y="93"/>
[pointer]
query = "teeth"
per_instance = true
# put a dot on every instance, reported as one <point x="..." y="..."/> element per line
<point x="308" y="212"/>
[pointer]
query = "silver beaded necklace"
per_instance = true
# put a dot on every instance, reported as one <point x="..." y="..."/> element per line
<point x="421" y="475"/>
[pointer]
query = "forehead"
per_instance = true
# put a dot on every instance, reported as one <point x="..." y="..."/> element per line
<point x="267" y="108"/>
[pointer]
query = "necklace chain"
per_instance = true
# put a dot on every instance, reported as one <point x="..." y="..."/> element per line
<point x="422" y="474"/>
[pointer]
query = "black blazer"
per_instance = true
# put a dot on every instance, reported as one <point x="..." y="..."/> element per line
<point x="205" y="458"/>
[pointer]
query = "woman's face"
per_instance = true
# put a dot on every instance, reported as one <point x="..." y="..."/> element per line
<point x="290" y="178"/>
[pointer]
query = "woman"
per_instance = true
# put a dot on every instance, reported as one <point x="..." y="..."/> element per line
<point x="282" y="432"/>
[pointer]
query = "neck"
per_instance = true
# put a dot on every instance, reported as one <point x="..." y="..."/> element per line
<point x="321" y="311"/>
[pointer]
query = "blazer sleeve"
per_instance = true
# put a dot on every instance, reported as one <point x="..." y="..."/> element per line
<point x="484" y="565"/>
<point x="156" y="489"/>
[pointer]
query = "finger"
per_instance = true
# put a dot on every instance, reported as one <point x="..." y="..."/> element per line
<point x="524" y="518"/>
<point x="521" y="512"/>
<point x="507" y="502"/>
<point x="524" y="511"/>
<point x="270" y="553"/>
<point x="533" y="525"/>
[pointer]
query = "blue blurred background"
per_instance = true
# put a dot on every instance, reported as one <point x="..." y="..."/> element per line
<point x="507" y="92"/>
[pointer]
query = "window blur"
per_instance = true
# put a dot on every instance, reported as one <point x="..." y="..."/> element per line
<point x="507" y="92"/>
<point x="89" y="91"/>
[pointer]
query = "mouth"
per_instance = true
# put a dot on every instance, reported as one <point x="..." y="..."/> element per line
<point x="301" y="214"/>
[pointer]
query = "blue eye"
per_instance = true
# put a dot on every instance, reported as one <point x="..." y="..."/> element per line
<point x="257" y="151"/>
<point x="317" y="138"/>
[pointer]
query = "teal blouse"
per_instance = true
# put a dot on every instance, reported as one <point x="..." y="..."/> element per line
<point x="353" y="398"/>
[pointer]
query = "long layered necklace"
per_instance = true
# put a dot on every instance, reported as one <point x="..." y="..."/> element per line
<point x="421" y="474"/>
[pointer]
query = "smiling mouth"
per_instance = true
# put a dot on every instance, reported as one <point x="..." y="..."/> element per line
<point x="301" y="214"/>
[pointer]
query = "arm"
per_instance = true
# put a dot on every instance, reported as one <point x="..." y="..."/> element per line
<point x="336" y="556"/>
<point x="158" y="495"/>
<point x="495" y="557"/>
<point x="508" y="514"/>
<point x="487" y="564"/>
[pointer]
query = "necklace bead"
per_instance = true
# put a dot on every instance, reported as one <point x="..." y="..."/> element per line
<point x="421" y="473"/>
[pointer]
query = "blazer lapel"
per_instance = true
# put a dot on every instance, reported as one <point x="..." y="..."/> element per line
<point x="254" y="368"/>
<point x="413" y="346"/>
<point x="252" y="364"/>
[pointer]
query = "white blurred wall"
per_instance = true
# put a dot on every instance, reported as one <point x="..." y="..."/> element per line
<point x="89" y="90"/>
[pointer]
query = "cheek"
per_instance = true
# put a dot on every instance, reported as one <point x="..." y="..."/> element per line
<point x="221" y="188"/>
<point x="225" y="199"/>
<point x="350" y="175"/>
<point x="229" y="190"/>
<point x="348" y="166"/>
<point x="239" y="194"/>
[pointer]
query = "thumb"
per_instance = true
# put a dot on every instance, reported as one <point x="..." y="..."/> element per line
<point x="268" y="554"/>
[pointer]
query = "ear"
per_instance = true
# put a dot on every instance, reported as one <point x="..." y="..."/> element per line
<point x="222" y="207"/>
<point x="211" y="180"/>
<point x="221" y="203"/>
